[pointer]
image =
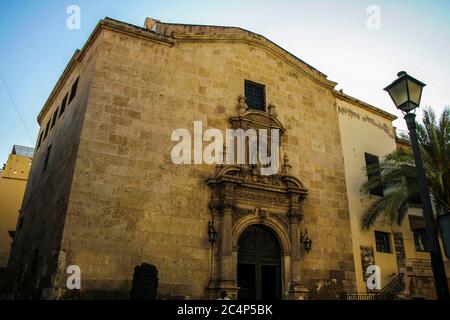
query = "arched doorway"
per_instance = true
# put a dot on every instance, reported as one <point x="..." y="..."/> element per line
<point x="259" y="264"/>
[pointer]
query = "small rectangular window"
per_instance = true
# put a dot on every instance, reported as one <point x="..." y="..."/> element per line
<point x="373" y="172"/>
<point x="255" y="95"/>
<point x="412" y="185"/>
<point x="420" y="239"/>
<point x="47" y="157"/>
<point x="47" y="127"/>
<point x="40" y="139"/>
<point x="415" y="199"/>
<point x="63" y="105"/>
<point x="55" y="116"/>
<point x="73" y="91"/>
<point x="383" y="242"/>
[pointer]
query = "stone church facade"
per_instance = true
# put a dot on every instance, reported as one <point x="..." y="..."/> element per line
<point x="104" y="194"/>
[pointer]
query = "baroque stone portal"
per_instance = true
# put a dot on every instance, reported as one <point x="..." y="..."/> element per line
<point x="241" y="198"/>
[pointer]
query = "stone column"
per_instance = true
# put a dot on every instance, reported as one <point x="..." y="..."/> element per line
<point x="296" y="289"/>
<point x="296" y="275"/>
<point x="225" y="243"/>
<point x="223" y="277"/>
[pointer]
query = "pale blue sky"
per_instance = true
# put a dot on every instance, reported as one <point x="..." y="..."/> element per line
<point x="332" y="36"/>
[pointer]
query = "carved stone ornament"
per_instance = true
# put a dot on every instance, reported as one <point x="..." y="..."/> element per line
<point x="234" y="184"/>
<point x="255" y="119"/>
<point x="242" y="196"/>
<point x="272" y="110"/>
<point x="242" y="107"/>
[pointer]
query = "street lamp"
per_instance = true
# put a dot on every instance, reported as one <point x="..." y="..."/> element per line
<point x="406" y="93"/>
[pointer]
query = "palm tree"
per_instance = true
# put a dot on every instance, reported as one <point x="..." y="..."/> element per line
<point x="396" y="173"/>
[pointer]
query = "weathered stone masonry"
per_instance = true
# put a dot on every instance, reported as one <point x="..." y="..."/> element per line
<point x="114" y="199"/>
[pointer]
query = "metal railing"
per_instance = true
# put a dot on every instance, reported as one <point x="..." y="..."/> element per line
<point x="393" y="288"/>
<point x="360" y="296"/>
<point x="421" y="265"/>
<point x="363" y="296"/>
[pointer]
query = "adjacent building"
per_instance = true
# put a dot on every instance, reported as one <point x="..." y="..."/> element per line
<point x="13" y="180"/>
<point x="399" y="250"/>
<point x="105" y="195"/>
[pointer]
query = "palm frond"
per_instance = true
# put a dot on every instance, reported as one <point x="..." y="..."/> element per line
<point x="389" y="206"/>
<point x="397" y="177"/>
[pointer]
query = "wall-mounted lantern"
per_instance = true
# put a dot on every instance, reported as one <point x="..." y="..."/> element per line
<point x="306" y="241"/>
<point x="212" y="233"/>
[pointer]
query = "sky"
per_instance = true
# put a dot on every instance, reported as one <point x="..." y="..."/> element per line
<point x="359" y="44"/>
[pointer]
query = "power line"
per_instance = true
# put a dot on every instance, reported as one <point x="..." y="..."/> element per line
<point x="17" y="108"/>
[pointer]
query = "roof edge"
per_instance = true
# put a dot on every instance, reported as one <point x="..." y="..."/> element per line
<point x="364" y="105"/>
<point x="244" y="30"/>
<point x="106" y="23"/>
<point x="215" y="33"/>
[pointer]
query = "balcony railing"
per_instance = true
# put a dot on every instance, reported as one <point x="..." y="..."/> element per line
<point x="362" y="296"/>
<point x="421" y="265"/>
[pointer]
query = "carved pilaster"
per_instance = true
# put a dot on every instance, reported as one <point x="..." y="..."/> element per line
<point x="223" y="278"/>
<point x="296" y="289"/>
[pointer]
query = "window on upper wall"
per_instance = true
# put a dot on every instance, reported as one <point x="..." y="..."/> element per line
<point x="415" y="200"/>
<point x="47" y="157"/>
<point x="420" y="239"/>
<point x="255" y="95"/>
<point x="412" y="185"/>
<point x="373" y="172"/>
<point x="63" y="105"/>
<point x="47" y="127"/>
<point x="55" y="116"/>
<point x="73" y="91"/>
<point x="40" y="139"/>
<point x="383" y="242"/>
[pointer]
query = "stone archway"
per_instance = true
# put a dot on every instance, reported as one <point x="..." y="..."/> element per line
<point x="259" y="264"/>
<point x="280" y="232"/>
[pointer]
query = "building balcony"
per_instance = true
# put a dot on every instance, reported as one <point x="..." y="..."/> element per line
<point x="419" y="279"/>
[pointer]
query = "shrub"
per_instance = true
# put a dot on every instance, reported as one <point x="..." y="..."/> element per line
<point x="145" y="282"/>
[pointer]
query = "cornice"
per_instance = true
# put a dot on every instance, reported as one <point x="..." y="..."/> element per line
<point x="364" y="105"/>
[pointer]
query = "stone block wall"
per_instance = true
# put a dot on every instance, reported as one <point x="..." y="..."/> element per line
<point x="35" y="250"/>
<point x="130" y="204"/>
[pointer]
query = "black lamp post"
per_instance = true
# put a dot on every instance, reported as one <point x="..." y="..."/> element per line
<point x="406" y="93"/>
